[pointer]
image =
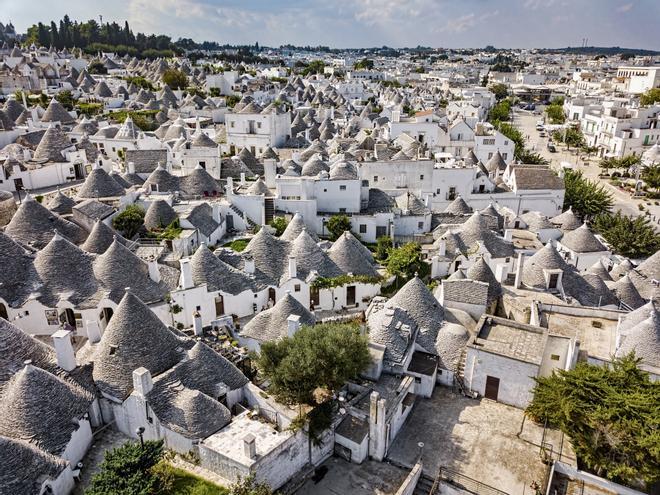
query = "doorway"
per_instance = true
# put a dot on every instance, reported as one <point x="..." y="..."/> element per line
<point x="271" y="295"/>
<point x="3" y="312"/>
<point x="350" y="295"/>
<point x="492" y="387"/>
<point x="79" y="169"/>
<point x="219" y="306"/>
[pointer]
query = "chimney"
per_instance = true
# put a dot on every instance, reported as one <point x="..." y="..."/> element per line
<point x="501" y="272"/>
<point x="293" y="272"/>
<point x="270" y="171"/>
<point x="66" y="358"/>
<point x="197" y="323"/>
<point x="293" y="325"/>
<point x="396" y="116"/>
<point x="186" y="280"/>
<point x="216" y="213"/>
<point x="508" y="235"/>
<point x="230" y="184"/>
<point x="242" y="178"/>
<point x="154" y="272"/>
<point x="248" y="264"/>
<point x="307" y="135"/>
<point x="250" y="446"/>
<point x="142" y="382"/>
<point x="442" y="247"/>
<point x="131" y="167"/>
<point x="519" y="269"/>
<point x="93" y="331"/>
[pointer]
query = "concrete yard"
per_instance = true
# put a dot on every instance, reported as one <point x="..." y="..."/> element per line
<point x="481" y="439"/>
<point x="368" y="478"/>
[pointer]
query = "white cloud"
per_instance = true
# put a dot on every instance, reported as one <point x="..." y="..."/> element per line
<point x="626" y="7"/>
<point x="466" y="22"/>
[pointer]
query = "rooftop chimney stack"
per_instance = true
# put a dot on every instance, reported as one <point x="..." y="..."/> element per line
<point x="293" y="325"/>
<point x="186" y="280"/>
<point x="197" y="323"/>
<point x="93" y="331"/>
<point x="248" y="264"/>
<point x="293" y="269"/>
<point x="142" y="382"/>
<point x="154" y="272"/>
<point x="66" y="358"/>
<point x="250" y="446"/>
<point x="131" y="167"/>
<point x="519" y="270"/>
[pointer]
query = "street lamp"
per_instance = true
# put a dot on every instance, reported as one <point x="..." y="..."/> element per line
<point x="421" y="447"/>
<point x="140" y="432"/>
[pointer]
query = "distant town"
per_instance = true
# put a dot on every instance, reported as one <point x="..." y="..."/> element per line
<point x="252" y="270"/>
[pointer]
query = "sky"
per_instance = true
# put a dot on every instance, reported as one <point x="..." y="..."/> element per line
<point x="368" y="23"/>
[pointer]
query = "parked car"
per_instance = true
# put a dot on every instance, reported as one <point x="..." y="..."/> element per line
<point x="551" y="148"/>
<point x="542" y="133"/>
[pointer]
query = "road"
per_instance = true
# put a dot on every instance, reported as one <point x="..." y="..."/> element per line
<point x="526" y="122"/>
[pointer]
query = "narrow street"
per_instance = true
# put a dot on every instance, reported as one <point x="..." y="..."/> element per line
<point x="526" y="122"/>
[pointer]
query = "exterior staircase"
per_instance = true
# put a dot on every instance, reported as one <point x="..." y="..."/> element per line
<point x="459" y="375"/>
<point x="240" y="213"/>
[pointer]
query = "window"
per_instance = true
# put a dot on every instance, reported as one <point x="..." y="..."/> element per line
<point x="363" y="228"/>
<point x="554" y="281"/>
<point x="296" y="288"/>
<point x="421" y="177"/>
<point x="420" y="225"/>
<point x="451" y="195"/>
<point x="490" y="155"/>
<point x="342" y="188"/>
<point x="375" y="178"/>
<point x="504" y="155"/>
<point x="365" y="183"/>
<point x="231" y="125"/>
<point x="258" y="125"/>
<point x="554" y="357"/>
<point x="342" y="210"/>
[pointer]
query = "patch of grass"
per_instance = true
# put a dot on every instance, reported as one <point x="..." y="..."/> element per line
<point x="237" y="245"/>
<point x="185" y="483"/>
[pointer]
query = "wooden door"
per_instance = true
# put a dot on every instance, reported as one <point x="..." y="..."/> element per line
<point x="492" y="387"/>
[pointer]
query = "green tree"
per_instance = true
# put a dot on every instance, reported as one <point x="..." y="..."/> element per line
<point x="66" y="99"/>
<point x="127" y="470"/>
<point x="365" y="63"/>
<point x="129" y="221"/>
<point x="633" y="237"/>
<point x="279" y="224"/>
<point x="323" y="357"/>
<point x="500" y="112"/>
<point x="587" y="198"/>
<point x="383" y="246"/>
<point x="610" y="414"/>
<point x="314" y="67"/>
<point x="555" y="113"/>
<point x="651" y="176"/>
<point x="337" y="225"/>
<point x="403" y="262"/>
<point x="175" y="79"/>
<point x="500" y="91"/>
<point x="570" y="137"/>
<point x="97" y="67"/>
<point x="651" y="97"/>
<point x="249" y="486"/>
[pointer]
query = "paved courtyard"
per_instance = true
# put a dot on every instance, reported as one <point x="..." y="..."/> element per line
<point x="368" y="478"/>
<point x="484" y="440"/>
